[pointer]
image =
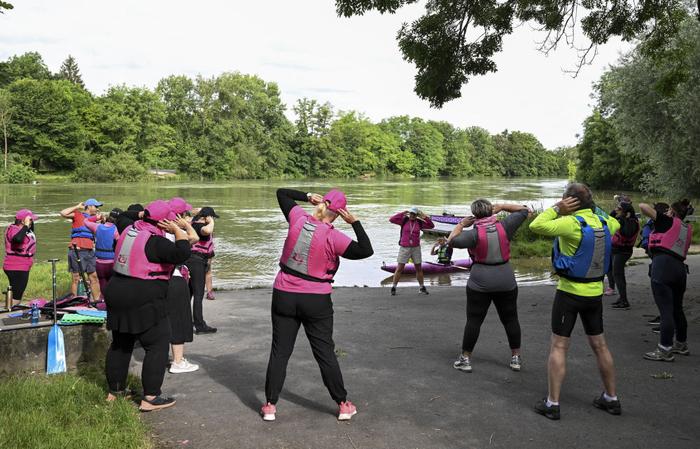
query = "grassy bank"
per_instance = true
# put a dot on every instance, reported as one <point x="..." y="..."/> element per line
<point x="39" y="285"/>
<point x="66" y="411"/>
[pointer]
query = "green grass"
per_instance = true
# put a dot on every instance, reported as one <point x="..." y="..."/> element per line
<point x="66" y="411"/>
<point x="526" y="243"/>
<point x="39" y="285"/>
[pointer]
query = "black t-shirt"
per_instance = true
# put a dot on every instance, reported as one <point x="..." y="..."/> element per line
<point x="663" y="223"/>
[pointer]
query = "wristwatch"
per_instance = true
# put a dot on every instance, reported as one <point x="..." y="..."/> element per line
<point x="556" y="209"/>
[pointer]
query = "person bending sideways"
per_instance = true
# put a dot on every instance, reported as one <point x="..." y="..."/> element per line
<point x="302" y="290"/>
<point x="411" y="222"/>
<point x="492" y="278"/>
<point x="581" y="257"/>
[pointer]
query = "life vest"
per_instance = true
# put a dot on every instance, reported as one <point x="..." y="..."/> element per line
<point x="492" y="245"/>
<point x="204" y="247"/>
<point x="620" y="241"/>
<point x="305" y="254"/>
<point x="444" y="254"/>
<point x="131" y="259"/>
<point x="82" y="231"/>
<point x="675" y="241"/>
<point x="591" y="260"/>
<point x="25" y="249"/>
<point x="104" y="242"/>
<point x="647" y="229"/>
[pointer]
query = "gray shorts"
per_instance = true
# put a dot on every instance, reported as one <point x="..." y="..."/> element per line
<point x="409" y="252"/>
<point x="87" y="259"/>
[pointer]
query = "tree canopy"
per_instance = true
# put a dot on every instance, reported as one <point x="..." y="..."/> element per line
<point x="456" y="40"/>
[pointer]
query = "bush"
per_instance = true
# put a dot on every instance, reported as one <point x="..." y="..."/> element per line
<point x="18" y="174"/>
<point x="117" y="167"/>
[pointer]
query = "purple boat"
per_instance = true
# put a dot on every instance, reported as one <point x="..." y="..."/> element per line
<point x="446" y="218"/>
<point x="432" y="267"/>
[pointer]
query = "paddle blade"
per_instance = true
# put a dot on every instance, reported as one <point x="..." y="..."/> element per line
<point x="56" y="352"/>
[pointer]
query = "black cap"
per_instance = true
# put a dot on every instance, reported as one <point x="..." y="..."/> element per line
<point x="114" y="213"/>
<point x="137" y="207"/>
<point x="207" y="212"/>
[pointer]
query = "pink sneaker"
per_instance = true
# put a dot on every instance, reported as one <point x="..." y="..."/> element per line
<point x="347" y="410"/>
<point x="268" y="412"/>
<point x="210" y="295"/>
<point x="609" y="291"/>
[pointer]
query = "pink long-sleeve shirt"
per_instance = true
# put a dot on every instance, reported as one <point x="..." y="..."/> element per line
<point x="410" y="229"/>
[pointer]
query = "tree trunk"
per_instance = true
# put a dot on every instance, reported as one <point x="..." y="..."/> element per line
<point x="4" y="133"/>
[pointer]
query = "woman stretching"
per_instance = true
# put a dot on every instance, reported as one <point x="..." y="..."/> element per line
<point x="492" y="277"/>
<point x="20" y="246"/>
<point x="302" y="291"/>
<point x="622" y="247"/>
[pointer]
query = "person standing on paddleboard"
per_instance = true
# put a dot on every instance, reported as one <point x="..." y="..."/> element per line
<point x="412" y="222"/>
<point x="137" y="306"/>
<point x="301" y="293"/>
<point x="20" y="247"/>
<point x="492" y="278"/>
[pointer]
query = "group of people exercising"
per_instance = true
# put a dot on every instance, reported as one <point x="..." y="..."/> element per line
<point x="155" y="250"/>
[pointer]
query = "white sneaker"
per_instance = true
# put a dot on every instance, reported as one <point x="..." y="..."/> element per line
<point x="515" y="363"/>
<point x="183" y="367"/>
<point x="463" y="364"/>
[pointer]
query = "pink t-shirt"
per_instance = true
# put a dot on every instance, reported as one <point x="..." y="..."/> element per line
<point x="336" y="244"/>
<point x="18" y="263"/>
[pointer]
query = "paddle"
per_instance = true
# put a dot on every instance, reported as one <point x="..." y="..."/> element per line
<point x="56" y="351"/>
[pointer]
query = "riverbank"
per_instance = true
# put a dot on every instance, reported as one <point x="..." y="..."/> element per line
<point x="396" y="354"/>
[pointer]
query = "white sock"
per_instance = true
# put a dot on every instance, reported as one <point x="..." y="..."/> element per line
<point x="665" y="348"/>
<point x="609" y="398"/>
<point x="551" y="403"/>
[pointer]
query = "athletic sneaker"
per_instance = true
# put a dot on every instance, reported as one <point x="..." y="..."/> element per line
<point x="463" y="364"/>
<point x="210" y="295"/>
<point x="654" y="321"/>
<point x="680" y="348"/>
<point x="393" y="291"/>
<point x="612" y="407"/>
<point x="183" y="367"/>
<point x="268" y="412"/>
<point x="660" y="355"/>
<point x="621" y="305"/>
<point x="656" y="330"/>
<point x="423" y="290"/>
<point x="609" y="291"/>
<point x="551" y="412"/>
<point x="515" y="362"/>
<point x="346" y="410"/>
<point x="157" y="403"/>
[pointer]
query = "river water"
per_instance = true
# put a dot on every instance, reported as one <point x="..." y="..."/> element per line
<point x="251" y="230"/>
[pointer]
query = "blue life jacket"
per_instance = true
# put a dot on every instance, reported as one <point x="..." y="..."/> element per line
<point x="591" y="260"/>
<point x="104" y="242"/>
<point x="82" y="231"/>
<point x="647" y="229"/>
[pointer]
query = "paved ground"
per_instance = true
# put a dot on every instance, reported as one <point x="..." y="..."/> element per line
<point x="396" y="354"/>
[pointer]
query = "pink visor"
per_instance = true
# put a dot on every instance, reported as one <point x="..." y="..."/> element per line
<point x="335" y="200"/>
<point x="160" y="210"/>
<point x="24" y="213"/>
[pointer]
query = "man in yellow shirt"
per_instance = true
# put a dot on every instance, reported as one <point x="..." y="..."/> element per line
<point x="581" y="258"/>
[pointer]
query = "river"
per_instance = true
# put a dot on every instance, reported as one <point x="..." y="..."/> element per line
<point x="251" y="229"/>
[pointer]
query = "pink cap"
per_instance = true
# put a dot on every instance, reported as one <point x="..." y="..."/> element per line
<point x="23" y="213"/>
<point x="336" y="200"/>
<point x="179" y="205"/>
<point x="160" y="210"/>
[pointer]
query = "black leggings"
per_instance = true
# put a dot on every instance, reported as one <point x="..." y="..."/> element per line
<point x="478" y="304"/>
<point x="155" y="341"/>
<point x="617" y="268"/>
<point x="18" y="282"/>
<point x="198" y="271"/>
<point x="315" y="312"/>
<point x="668" y="282"/>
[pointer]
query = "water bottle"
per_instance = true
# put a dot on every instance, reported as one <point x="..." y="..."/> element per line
<point x="8" y="298"/>
<point x="35" y="314"/>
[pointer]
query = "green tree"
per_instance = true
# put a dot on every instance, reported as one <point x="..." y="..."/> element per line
<point x="47" y="124"/>
<point x="311" y="143"/>
<point x="456" y="40"/>
<point x="29" y="65"/>
<point x="488" y="161"/>
<point x="5" y="117"/>
<point x="458" y="149"/>
<point x="420" y="139"/>
<point x="6" y="6"/>
<point x="69" y="71"/>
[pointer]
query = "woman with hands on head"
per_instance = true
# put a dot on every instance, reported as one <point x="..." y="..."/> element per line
<point x="301" y="293"/>
<point x="492" y="278"/>
<point x="20" y="247"/>
<point x="136" y="297"/>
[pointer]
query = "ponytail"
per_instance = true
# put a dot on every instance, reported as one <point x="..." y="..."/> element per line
<point x="321" y="211"/>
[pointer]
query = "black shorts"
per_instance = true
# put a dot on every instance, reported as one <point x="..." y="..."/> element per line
<point x="567" y="306"/>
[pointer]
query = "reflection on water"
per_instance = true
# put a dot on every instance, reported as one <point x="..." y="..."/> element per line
<point x="251" y="230"/>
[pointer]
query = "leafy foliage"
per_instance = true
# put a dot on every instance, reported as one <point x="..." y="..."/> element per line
<point x="122" y="167"/>
<point x="69" y="71"/>
<point x="456" y="40"/>
<point x="18" y="174"/>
